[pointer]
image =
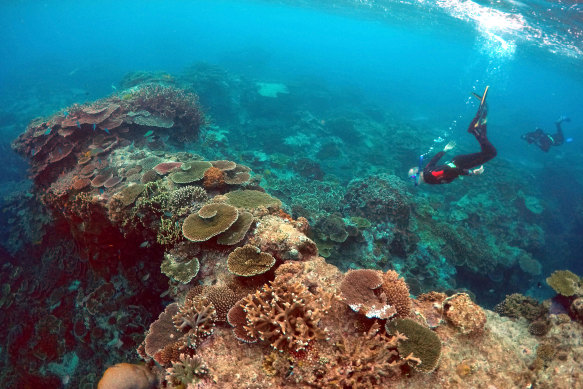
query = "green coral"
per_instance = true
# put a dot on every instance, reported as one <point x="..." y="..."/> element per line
<point x="191" y="172"/>
<point x="168" y="233"/>
<point x="565" y="282"/>
<point x="180" y="271"/>
<point x="187" y="371"/>
<point x="422" y="342"/>
<point x="517" y="305"/>
<point x="251" y="199"/>
<point x="237" y="231"/>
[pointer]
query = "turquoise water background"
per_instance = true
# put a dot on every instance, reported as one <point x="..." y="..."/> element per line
<point x="417" y="60"/>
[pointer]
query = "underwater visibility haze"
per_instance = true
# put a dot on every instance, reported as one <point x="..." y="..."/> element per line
<point x="218" y="194"/>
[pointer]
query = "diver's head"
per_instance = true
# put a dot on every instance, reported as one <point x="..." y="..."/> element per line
<point x="415" y="175"/>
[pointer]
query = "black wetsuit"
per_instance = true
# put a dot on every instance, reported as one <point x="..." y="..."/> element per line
<point x="543" y="140"/>
<point x="460" y="165"/>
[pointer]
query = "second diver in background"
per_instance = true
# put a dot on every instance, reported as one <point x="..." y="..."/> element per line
<point x="543" y="140"/>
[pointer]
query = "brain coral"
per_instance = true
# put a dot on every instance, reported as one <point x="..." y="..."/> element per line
<point x="251" y="199"/>
<point x="211" y="220"/>
<point x="192" y="171"/>
<point x="421" y="342"/>
<point x="249" y="261"/>
<point x="222" y="297"/>
<point x="237" y="231"/>
<point x="564" y="282"/>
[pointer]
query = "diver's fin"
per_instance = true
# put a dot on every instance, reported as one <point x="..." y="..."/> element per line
<point x="483" y="97"/>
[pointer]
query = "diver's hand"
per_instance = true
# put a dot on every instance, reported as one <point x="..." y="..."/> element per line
<point x="562" y="119"/>
<point x="449" y="146"/>
<point x="479" y="170"/>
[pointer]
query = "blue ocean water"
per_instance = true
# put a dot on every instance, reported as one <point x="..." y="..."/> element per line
<point x="411" y="64"/>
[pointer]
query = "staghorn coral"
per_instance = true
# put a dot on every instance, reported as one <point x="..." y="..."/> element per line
<point x="565" y="282"/>
<point x="286" y="315"/>
<point x="188" y="370"/>
<point x="464" y="314"/>
<point x="376" y="294"/>
<point x="196" y="319"/>
<point x="365" y="362"/>
<point x="211" y="220"/>
<point x="248" y="261"/>
<point x="421" y="343"/>
<point x="169" y="232"/>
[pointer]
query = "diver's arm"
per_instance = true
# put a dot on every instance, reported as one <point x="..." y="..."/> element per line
<point x="435" y="159"/>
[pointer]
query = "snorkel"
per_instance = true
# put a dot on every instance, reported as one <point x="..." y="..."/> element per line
<point x="416" y="175"/>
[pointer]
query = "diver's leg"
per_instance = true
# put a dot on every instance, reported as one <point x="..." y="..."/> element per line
<point x="469" y="161"/>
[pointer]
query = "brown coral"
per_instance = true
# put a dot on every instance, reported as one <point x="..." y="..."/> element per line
<point x="365" y="361"/>
<point x="248" y="261"/>
<point x="286" y="315"/>
<point x="223" y="298"/>
<point x="162" y="332"/>
<point x="376" y="294"/>
<point x="211" y="220"/>
<point x="213" y="178"/>
<point x="195" y="318"/>
<point x="464" y="314"/>
<point x="127" y="376"/>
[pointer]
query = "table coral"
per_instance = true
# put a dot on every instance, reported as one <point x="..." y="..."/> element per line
<point x="211" y="220"/>
<point x="248" y="261"/>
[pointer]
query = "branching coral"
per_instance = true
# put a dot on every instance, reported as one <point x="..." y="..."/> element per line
<point x="188" y="370"/>
<point x="286" y="315"/>
<point x="196" y="319"/>
<point x="365" y="362"/>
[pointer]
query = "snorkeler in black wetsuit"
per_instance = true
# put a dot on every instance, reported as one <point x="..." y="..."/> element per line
<point x="460" y="165"/>
<point x="543" y="140"/>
